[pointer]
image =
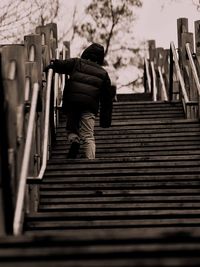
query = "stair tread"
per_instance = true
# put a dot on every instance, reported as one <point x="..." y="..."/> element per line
<point x="137" y="199"/>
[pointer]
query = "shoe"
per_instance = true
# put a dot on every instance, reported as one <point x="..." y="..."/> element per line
<point x="73" y="151"/>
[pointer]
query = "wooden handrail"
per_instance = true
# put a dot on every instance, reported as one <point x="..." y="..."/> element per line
<point x="18" y="216"/>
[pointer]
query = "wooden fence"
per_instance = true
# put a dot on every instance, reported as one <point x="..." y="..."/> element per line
<point x="21" y="66"/>
<point x="173" y="74"/>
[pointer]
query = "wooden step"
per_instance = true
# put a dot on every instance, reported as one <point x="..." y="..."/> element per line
<point x="136" y="204"/>
<point x="104" y="247"/>
<point x="134" y="97"/>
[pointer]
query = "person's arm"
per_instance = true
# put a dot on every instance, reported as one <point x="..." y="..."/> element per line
<point x="106" y="104"/>
<point x="62" y="66"/>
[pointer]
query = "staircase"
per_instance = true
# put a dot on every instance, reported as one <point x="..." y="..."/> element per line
<point x="136" y="204"/>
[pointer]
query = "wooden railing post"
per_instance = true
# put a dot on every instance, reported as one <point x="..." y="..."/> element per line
<point x="13" y="75"/>
<point x="182" y="26"/>
<point x="33" y="48"/>
<point x="13" y="82"/>
<point x="171" y="75"/>
<point x="66" y="45"/>
<point x="49" y="38"/>
<point x="197" y="48"/>
<point x="21" y="68"/>
<point x="6" y="190"/>
<point x="197" y="44"/>
<point x="188" y="78"/>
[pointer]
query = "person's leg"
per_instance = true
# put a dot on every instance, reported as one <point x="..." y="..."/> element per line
<point x="72" y="127"/>
<point x="87" y="122"/>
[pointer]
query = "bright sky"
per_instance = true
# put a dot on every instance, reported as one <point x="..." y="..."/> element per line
<point x="157" y="19"/>
<point x="155" y="22"/>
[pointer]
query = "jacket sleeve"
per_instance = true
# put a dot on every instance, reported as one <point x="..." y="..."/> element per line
<point x="62" y="66"/>
<point x="106" y="104"/>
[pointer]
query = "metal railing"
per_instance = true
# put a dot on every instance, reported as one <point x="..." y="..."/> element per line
<point x="154" y="86"/>
<point x="18" y="216"/>
<point x="151" y="80"/>
<point x="46" y="126"/>
<point x="163" y="87"/>
<point x="167" y="78"/>
<point x="194" y="74"/>
<point x="188" y="104"/>
<point x="174" y="58"/>
<point x="19" y="211"/>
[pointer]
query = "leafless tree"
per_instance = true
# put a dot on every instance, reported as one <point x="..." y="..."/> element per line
<point x="20" y="17"/>
<point x="111" y="23"/>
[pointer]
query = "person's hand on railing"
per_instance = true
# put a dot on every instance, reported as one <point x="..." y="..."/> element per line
<point x="50" y="66"/>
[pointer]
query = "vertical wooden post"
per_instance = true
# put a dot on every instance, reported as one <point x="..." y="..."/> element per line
<point x="13" y="74"/>
<point x="67" y="48"/>
<point x="182" y="26"/>
<point x="171" y="71"/>
<point x="33" y="48"/>
<point x="188" y="77"/>
<point x="34" y="42"/>
<point x="34" y="73"/>
<point x="6" y="190"/>
<point x="13" y="81"/>
<point x="197" y="36"/>
<point x="152" y="50"/>
<point x="49" y="37"/>
<point x="166" y="69"/>
<point x="197" y="48"/>
<point x="197" y="44"/>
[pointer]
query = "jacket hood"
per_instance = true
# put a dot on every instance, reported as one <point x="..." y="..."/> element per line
<point x="95" y="53"/>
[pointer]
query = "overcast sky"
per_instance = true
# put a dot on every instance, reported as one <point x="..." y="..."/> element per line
<point x="157" y="19"/>
<point x="159" y="23"/>
<point x="154" y="21"/>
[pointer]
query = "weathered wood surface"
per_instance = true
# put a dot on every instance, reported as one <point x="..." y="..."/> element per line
<point x="22" y="66"/>
<point x="168" y="79"/>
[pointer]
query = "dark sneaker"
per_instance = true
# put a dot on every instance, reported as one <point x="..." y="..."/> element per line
<point x="73" y="151"/>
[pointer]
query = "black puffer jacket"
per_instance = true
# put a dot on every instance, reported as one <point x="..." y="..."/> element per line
<point x="88" y="86"/>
